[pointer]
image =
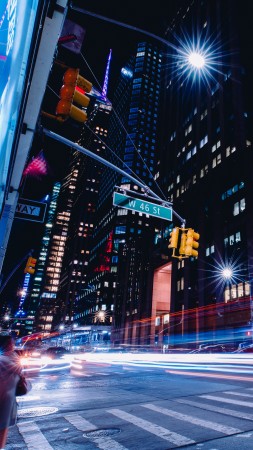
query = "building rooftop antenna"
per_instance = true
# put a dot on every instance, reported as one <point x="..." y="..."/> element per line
<point x="106" y="79"/>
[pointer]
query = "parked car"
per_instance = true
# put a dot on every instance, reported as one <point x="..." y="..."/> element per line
<point x="55" y="352"/>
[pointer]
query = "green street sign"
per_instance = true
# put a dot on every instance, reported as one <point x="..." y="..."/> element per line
<point x="141" y="206"/>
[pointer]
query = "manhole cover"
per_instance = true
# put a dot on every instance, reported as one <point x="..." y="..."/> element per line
<point x="102" y="432"/>
<point x="36" y="412"/>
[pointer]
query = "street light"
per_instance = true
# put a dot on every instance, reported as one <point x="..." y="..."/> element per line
<point x="196" y="60"/>
<point x="227" y="273"/>
<point x="100" y="316"/>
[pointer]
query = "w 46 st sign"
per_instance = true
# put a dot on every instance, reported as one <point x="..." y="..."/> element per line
<point x="142" y="206"/>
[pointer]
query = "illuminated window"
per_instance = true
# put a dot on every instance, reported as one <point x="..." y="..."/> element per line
<point x="204" y="171"/>
<point x="166" y="318"/>
<point x="188" y="130"/>
<point x="209" y="250"/>
<point x="239" y="207"/>
<point x="216" y="161"/>
<point x="157" y="321"/>
<point x="247" y="289"/>
<point x="227" y="295"/>
<point x="203" y="141"/>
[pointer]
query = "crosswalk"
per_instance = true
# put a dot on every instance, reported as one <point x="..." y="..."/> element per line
<point x="161" y="425"/>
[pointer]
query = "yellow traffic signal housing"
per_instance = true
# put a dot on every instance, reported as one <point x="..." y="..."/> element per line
<point x="73" y="91"/>
<point x="30" y="265"/>
<point x="173" y="242"/>
<point x="182" y="243"/>
<point x="191" y="243"/>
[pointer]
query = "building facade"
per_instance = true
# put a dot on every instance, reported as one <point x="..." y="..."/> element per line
<point x="206" y="170"/>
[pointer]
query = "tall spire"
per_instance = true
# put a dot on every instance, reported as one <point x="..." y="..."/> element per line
<point x="105" y="86"/>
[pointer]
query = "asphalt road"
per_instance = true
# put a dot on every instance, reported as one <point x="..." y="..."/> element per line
<point x="104" y="403"/>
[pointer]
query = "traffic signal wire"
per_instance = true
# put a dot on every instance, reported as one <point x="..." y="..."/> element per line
<point x="128" y="136"/>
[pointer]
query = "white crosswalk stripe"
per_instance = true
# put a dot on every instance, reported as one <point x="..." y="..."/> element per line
<point x="33" y="437"/>
<point x="217" y="409"/>
<point x="240" y="394"/>
<point x="227" y="400"/>
<point x="150" y="427"/>
<point x="194" y="420"/>
<point x="79" y="422"/>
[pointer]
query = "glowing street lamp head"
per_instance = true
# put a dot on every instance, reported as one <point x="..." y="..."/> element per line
<point x="101" y="315"/>
<point x="224" y="273"/>
<point x="227" y="273"/>
<point x="196" y="60"/>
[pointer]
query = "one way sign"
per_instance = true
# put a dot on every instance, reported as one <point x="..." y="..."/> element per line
<point x="30" y="210"/>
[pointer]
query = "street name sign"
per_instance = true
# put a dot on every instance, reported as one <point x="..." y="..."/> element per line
<point x="142" y="206"/>
<point x="30" y="210"/>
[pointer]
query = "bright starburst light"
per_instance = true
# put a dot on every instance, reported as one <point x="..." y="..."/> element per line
<point x="225" y="272"/>
<point x="101" y="315"/>
<point x="200" y="58"/>
<point x="197" y="60"/>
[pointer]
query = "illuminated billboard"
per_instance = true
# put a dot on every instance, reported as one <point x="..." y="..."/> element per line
<point x="17" y="20"/>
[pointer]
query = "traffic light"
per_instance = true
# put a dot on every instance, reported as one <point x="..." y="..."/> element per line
<point x="191" y="243"/>
<point x="30" y="265"/>
<point x="173" y="242"/>
<point x="73" y="91"/>
<point x="182" y="243"/>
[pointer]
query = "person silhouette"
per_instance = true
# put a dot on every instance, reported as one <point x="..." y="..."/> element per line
<point x="10" y="371"/>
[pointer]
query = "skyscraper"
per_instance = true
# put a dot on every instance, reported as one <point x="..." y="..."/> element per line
<point x="119" y="255"/>
<point x="35" y="298"/>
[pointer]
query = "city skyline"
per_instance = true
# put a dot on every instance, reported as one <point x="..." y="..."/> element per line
<point x="186" y="164"/>
<point x="24" y="234"/>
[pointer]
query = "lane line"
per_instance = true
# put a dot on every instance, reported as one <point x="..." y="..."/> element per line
<point x="33" y="437"/>
<point x="206" y="406"/>
<point x="194" y="420"/>
<point x="162" y="433"/>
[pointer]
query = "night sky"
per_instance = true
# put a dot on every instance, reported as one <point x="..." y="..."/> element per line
<point x="102" y="35"/>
